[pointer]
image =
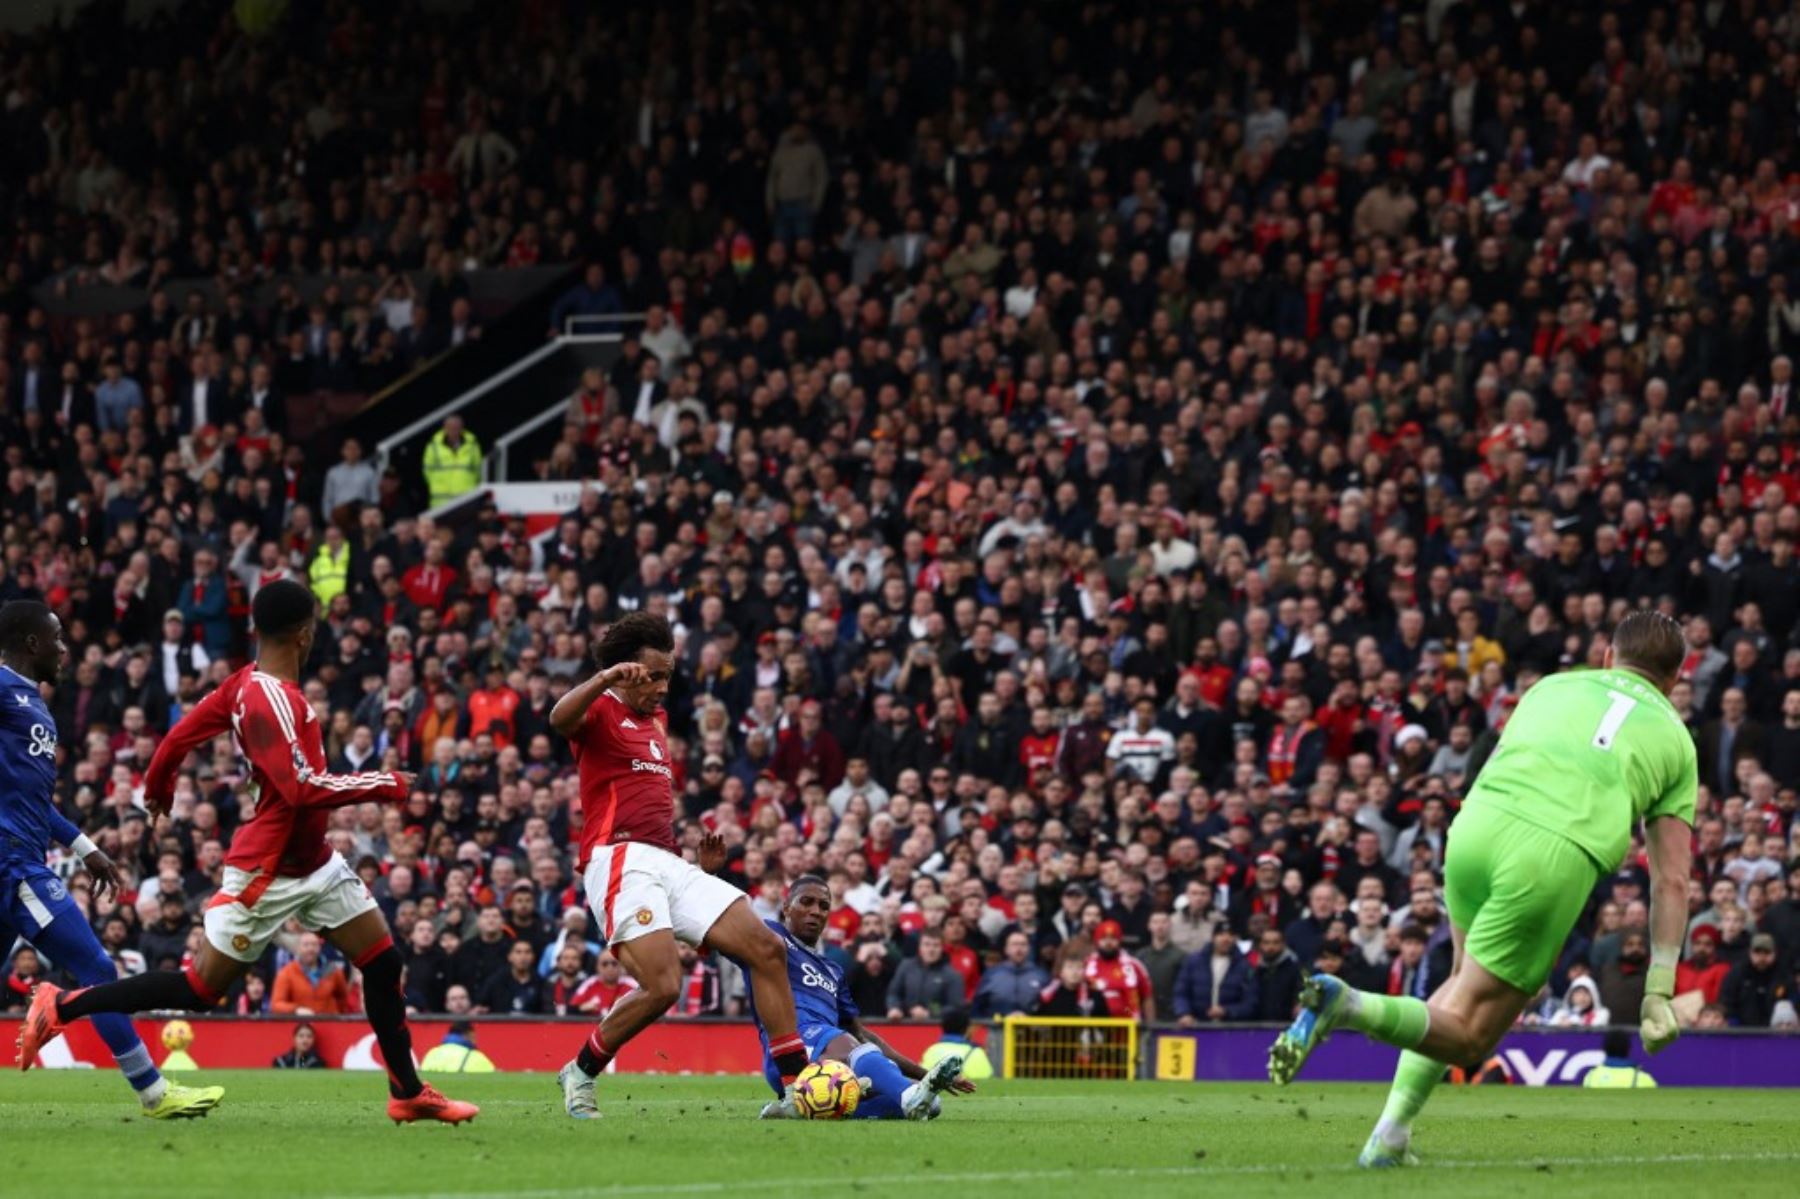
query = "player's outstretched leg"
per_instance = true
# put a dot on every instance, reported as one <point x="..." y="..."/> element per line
<point x="1468" y="1016"/>
<point x="71" y="943"/>
<point x="656" y="965"/>
<point x="1327" y="1004"/>
<point x="52" y="1008"/>
<point x="739" y="935"/>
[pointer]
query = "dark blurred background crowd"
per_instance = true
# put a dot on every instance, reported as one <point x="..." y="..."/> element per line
<point x="1113" y="468"/>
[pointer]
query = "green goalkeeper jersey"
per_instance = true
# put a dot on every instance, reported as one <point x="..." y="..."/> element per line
<point x="1588" y="754"/>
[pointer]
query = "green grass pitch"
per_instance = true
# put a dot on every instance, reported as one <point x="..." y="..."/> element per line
<point x="323" y="1135"/>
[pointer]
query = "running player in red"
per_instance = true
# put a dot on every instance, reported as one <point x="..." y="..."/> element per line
<point x="644" y="893"/>
<point x="279" y="866"/>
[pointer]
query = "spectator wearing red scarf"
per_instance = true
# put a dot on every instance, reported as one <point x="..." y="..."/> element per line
<point x="1264" y="896"/>
<point x="1296" y="745"/>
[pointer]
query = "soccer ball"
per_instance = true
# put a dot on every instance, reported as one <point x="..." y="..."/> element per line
<point x="177" y="1035"/>
<point x="827" y="1091"/>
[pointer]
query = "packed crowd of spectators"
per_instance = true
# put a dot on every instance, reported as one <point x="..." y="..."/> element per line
<point x="1111" y="474"/>
<point x="300" y="214"/>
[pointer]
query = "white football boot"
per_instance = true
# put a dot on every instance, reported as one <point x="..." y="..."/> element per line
<point x="921" y="1097"/>
<point x="578" y="1093"/>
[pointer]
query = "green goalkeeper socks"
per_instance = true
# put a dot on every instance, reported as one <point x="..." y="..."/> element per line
<point x="1413" y="1083"/>
<point x="1398" y="1020"/>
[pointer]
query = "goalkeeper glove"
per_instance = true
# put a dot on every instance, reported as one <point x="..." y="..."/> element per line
<point x="1657" y="1026"/>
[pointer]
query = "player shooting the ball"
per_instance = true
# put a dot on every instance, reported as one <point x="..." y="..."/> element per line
<point x="830" y="1024"/>
<point x="643" y="892"/>
<point x="1587" y="755"/>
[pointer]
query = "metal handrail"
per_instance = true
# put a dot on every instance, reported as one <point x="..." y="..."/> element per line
<point x="412" y="376"/>
<point x="436" y="417"/>
<point x="496" y="467"/>
<point x="572" y="324"/>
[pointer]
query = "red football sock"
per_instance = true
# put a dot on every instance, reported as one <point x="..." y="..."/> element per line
<point x="594" y="1056"/>
<point x="789" y="1053"/>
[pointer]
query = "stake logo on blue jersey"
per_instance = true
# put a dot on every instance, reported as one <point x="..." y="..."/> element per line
<point x="811" y="977"/>
<point x="820" y="996"/>
<point x="822" y="1004"/>
<point x="824" y="1012"/>
<point x="33" y="901"/>
<point x="29" y="821"/>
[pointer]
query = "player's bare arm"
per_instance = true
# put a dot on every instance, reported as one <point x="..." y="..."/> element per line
<point x="566" y="716"/>
<point x="1670" y="842"/>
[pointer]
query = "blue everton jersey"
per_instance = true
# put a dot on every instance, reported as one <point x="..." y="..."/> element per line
<point x="821" y="999"/>
<point x="29" y="820"/>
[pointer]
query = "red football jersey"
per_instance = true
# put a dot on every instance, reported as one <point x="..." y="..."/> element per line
<point x="1038" y="756"/>
<point x="842" y="925"/>
<point x="598" y="996"/>
<point x="627" y="782"/>
<point x="278" y="732"/>
<point x="1124" y="982"/>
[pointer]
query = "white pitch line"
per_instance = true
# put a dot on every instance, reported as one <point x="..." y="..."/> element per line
<point x="739" y="1186"/>
<point x="783" y="1184"/>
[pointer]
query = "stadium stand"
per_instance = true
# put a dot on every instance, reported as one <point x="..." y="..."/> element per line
<point x="1113" y="467"/>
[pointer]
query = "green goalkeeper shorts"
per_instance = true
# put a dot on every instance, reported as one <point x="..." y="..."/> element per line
<point x="1516" y="890"/>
